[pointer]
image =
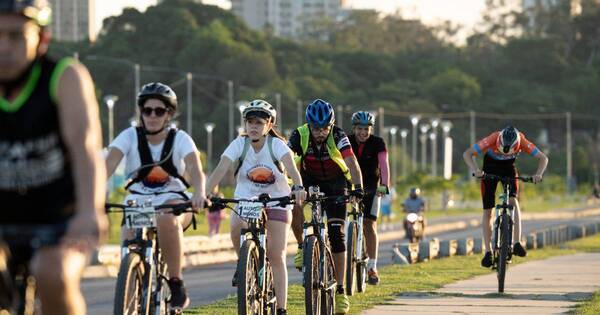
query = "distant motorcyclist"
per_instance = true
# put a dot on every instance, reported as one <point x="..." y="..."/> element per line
<point x="414" y="204"/>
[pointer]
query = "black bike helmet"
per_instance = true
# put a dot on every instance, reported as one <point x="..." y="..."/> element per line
<point x="509" y="140"/>
<point x="159" y="91"/>
<point x="37" y="10"/>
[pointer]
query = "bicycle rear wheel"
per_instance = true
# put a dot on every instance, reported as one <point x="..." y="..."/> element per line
<point x="270" y="305"/>
<point x="312" y="276"/>
<point x="361" y="268"/>
<point x="328" y="276"/>
<point x="504" y="249"/>
<point x="130" y="297"/>
<point x="351" y="258"/>
<point x="249" y="290"/>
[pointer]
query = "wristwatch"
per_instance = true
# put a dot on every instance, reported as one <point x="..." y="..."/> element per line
<point x="297" y="187"/>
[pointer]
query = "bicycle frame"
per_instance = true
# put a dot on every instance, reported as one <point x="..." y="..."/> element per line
<point x="501" y="210"/>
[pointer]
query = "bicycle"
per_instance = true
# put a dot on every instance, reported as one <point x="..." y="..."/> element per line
<point x="255" y="288"/>
<point x="317" y="268"/>
<point x="17" y="245"/>
<point x="503" y="228"/>
<point x="142" y="281"/>
<point x="356" y="251"/>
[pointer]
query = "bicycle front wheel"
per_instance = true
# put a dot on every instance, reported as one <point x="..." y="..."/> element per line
<point x="504" y="249"/>
<point x="249" y="290"/>
<point x="312" y="276"/>
<point x="351" y="260"/>
<point x="129" y="292"/>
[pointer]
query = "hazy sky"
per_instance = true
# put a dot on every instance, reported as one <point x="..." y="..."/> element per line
<point x="465" y="12"/>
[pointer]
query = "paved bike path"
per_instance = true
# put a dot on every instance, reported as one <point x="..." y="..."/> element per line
<point x="550" y="286"/>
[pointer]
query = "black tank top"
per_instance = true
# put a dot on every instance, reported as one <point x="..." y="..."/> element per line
<point x="36" y="182"/>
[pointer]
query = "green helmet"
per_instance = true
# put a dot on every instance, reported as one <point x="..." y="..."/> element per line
<point x="37" y="10"/>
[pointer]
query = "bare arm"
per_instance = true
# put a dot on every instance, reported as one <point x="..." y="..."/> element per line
<point x="542" y="164"/>
<point x="292" y="171"/>
<point x="80" y="128"/>
<point x="194" y="169"/>
<point x="354" y="168"/>
<point x="112" y="160"/>
<point x="469" y="156"/>
<point x="215" y="178"/>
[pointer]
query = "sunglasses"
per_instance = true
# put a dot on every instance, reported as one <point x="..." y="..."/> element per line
<point x="158" y="111"/>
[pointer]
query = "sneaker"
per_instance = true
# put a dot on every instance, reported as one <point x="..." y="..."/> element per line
<point x="519" y="250"/>
<point x="179" y="298"/>
<point x="298" y="259"/>
<point x="487" y="260"/>
<point x="342" y="304"/>
<point x="234" y="280"/>
<point x="373" y="277"/>
<point x="281" y="311"/>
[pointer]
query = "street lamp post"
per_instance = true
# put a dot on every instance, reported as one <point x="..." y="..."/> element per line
<point x="241" y="105"/>
<point x="433" y="138"/>
<point x="189" y="79"/>
<point x="110" y="101"/>
<point x="404" y="134"/>
<point x="209" y="129"/>
<point x="435" y="122"/>
<point x="424" y="128"/>
<point x="393" y="132"/>
<point x="414" y="120"/>
<point x="446" y="126"/>
<point x="279" y="122"/>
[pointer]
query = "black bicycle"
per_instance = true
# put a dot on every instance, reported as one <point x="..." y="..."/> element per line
<point x="18" y="243"/>
<point x="356" y="251"/>
<point x="255" y="287"/>
<point x="142" y="282"/>
<point x="503" y="227"/>
<point x="318" y="268"/>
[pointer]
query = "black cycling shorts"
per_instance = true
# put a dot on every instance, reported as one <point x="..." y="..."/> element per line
<point x="488" y="191"/>
<point x="368" y="200"/>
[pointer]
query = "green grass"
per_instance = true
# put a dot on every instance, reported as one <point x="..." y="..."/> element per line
<point x="422" y="277"/>
<point x="591" y="307"/>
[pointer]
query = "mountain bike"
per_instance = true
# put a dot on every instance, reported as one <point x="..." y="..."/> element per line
<point x="256" y="291"/>
<point x="317" y="268"/>
<point x="142" y="282"/>
<point x="356" y="251"/>
<point x="502" y="238"/>
<point x="18" y="243"/>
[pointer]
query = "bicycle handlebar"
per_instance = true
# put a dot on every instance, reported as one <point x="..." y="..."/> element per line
<point x="526" y="179"/>
<point x="176" y="209"/>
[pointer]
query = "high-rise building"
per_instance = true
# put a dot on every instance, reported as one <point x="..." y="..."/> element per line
<point x="73" y="20"/>
<point x="287" y="18"/>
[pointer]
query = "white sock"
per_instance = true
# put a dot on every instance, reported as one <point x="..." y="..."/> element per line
<point x="372" y="264"/>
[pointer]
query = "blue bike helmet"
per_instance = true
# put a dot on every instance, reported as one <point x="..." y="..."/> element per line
<point x="363" y="118"/>
<point x="319" y="114"/>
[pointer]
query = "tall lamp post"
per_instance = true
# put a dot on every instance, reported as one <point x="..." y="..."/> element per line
<point x="424" y="128"/>
<point x="393" y="132"/>
<point x="414" y="120"/>
<point x="404" y="134"/>
<point x="209" y="129"/>
<point x="435" y="122"/>
<point x="241" y="105"/>
<point x="446" y="126"/>
<point x="110" y="101"/>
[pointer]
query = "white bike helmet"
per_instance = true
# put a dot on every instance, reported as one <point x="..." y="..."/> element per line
<point x="260" y="109"/>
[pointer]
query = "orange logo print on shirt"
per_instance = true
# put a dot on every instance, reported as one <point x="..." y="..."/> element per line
<point x="261" y="175"/>
<point x="156" y="178"/>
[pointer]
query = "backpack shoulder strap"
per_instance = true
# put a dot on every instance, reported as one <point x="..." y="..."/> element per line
<point x="242" y="156"/>
<point x="275" y="160"/>
<point x="167" y="157"/>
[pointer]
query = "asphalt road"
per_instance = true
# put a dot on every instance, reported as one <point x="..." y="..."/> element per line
<point x="213" y="282"/>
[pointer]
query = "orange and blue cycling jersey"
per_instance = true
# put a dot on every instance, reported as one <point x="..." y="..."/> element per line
<point x="489" y="147"/>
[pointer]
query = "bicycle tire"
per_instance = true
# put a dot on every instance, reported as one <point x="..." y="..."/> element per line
<point x="159" y="304"/>
<point x="328" y="295"/>
<point x="248" y="288"/>
<point x="361" y="268"/>
<point x="312" y="276"/>
<point x="129" y="290"/>
<point x="270" y="305"/>
<point x="351" y="259"/>
<point x="504" y="248"/>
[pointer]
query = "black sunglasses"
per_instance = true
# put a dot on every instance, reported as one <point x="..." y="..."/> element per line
<point x="158" y="111"/>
